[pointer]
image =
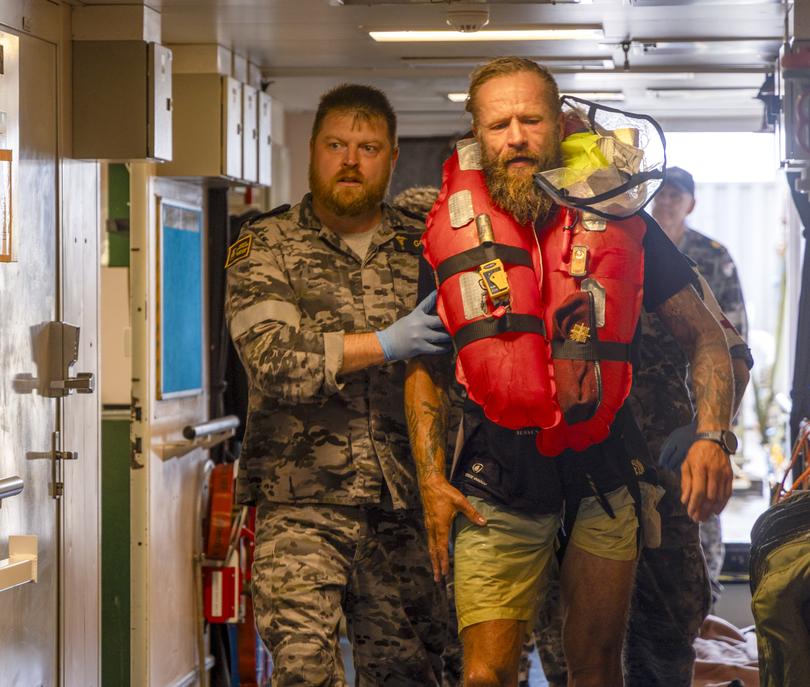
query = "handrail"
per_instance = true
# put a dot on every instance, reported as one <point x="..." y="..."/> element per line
<point x="204" y="435"/>
<point x="10" y="486"/>
<point x="215" y="426"/>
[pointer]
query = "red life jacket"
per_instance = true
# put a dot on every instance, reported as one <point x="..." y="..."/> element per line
<point x="592" y="290"/>
<point x="537" y="353"/>
<point x="503" y="359"/>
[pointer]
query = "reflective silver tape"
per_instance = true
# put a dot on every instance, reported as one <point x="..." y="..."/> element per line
<point x="469" y="154"/>
<point x="473" y="296"/>
<point x="593" y="222"/>
<point x="598" y="291"/>
<point x="461" y="209"/>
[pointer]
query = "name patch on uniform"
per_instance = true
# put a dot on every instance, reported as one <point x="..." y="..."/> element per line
<point x="406" y="243"/>
<point x="239" y="251"/>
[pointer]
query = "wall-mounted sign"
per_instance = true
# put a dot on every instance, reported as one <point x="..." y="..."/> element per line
<point x="180" y="307"/>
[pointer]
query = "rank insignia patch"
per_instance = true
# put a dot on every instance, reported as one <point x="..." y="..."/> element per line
<point x="239" y="251"/>
<point x="406" y="243"/>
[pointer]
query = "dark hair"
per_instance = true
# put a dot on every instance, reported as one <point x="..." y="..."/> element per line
<point x="502" y="66"/>
<point x="363" y="101"/>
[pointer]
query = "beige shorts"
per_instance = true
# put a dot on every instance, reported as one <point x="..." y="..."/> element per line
<point x="502" y="568"/>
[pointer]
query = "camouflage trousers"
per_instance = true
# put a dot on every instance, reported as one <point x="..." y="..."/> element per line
<point x="711" y="541"/>
<point x="315" y="563"/>
<point x="670" y="600"/>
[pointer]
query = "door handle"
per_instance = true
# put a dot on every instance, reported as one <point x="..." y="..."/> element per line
<point x="10" y="486"/>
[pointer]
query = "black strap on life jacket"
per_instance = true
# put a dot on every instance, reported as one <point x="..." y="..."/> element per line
<point x="492" y="326"/>
<point x="590" y="350"/>
<point x="477" y="256"/>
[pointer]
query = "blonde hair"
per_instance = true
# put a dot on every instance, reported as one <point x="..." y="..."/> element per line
<point x="502" y="66"/>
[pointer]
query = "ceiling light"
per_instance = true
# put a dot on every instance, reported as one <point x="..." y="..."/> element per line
<point x="602" y="96"/>
<point x="633" y="76"/>
<point x="585" y="95"/>
<point x="553" y="62"/>
<point x="701" y="93"/>
<point x="562" y="33"/>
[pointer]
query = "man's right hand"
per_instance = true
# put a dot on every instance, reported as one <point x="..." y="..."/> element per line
<point x="418" y="333"/>
<point x="441" y="502"/>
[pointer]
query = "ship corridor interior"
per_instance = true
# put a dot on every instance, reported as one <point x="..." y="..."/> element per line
<point x="135" y="138"/>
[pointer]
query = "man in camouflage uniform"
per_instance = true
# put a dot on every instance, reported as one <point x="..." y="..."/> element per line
<point x="322" y="309"/>
<point x="673" y="204"/>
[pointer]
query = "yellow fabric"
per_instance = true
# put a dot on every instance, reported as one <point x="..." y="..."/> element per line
<point x="777" y="604"/>
<point x="599" y="534"/>
<point x="501" y="569"/>
<point x="581" y="151"/>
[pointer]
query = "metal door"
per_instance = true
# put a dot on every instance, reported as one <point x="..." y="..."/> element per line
<point x="29" y="619"/>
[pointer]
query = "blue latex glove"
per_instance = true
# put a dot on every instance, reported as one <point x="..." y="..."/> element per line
<point x="677" y="445"/>
<point x="418" y="333"/>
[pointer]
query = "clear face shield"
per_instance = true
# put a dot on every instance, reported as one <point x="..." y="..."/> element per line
<point x="613" y="161"/>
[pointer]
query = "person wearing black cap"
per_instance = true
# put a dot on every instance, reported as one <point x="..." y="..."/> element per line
<point x="671" y="207"/>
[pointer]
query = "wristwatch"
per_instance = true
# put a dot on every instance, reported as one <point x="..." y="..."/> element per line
<point x="725" y="437"/>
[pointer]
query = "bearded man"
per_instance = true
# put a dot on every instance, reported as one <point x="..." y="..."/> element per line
<point x="322" y="309"/>
<point x="509" y="495"/>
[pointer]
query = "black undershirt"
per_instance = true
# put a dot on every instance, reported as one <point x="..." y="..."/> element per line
<point x="504" y="465"/>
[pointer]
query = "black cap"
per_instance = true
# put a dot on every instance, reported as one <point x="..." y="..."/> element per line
<point x="680" y="178"/>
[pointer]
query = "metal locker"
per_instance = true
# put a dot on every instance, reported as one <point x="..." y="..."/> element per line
<point x="250" y="134"/>
<point x="160" y="101"/>
<point x="232" y="127"/>
<point x="265" y="139"/>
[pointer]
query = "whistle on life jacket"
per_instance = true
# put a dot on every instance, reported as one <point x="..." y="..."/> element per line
<point x="493" y="274"/>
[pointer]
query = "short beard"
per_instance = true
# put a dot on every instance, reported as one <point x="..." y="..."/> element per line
<point x="517" y="193"/>
<point x="346" y="202"/>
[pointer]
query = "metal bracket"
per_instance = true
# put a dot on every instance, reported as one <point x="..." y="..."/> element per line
<point x="21" y="565"/>
<point x="57" y="456"/>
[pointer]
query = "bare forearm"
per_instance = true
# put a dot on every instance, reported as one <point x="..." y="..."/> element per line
<point x="426" y="410"/>
<point x="361" y="351"/>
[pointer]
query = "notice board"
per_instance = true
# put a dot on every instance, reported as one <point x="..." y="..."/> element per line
<point x="180" y="308"/>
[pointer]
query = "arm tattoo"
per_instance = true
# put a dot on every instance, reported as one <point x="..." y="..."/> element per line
<point x="702" y="339"/>
<point x="426" y="411"/>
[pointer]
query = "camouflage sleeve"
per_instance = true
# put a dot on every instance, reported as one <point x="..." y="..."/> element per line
<point x="728" y="291"/>
<point x="286" y="361"/>
<point x="734" y="341"/>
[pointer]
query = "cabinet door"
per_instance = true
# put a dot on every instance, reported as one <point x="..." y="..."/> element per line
<point x="159" y="84"/>
<point x="265" y="141"/>
<point x="232" y="127"/>
<point x="250" y="135"/>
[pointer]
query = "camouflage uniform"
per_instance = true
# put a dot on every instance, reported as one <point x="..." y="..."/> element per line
<point x="717" y="267"/>
<point x="327" y="458"/>
<point x="417" y="202"/>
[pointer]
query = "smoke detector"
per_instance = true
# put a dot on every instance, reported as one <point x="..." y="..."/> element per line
<point x="468" y="19"/>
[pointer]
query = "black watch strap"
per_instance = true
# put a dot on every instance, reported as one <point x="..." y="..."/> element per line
<point x="724" y="437"/>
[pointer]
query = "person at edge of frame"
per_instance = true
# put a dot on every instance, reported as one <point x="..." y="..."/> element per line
<point x="671" y="207"/>
<point x="322" y="309"/>
<point x="507" y="527"/>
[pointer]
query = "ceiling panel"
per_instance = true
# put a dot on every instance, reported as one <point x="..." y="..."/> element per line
<point x="306" y="46"/>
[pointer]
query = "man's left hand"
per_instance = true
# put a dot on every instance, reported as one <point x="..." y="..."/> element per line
<point x="705" y="480"/>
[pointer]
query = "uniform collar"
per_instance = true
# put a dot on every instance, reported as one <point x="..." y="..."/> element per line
<point x="391" y="222"/>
